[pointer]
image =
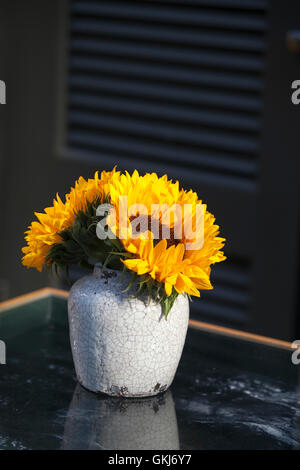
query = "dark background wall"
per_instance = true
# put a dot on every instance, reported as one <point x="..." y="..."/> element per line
<point x="198" y="89"/>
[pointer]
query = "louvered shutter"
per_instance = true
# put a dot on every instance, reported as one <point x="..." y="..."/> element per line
<point x="179" y="82"/>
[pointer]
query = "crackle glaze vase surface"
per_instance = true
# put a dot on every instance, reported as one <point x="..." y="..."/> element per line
<point x="122" y="345"/>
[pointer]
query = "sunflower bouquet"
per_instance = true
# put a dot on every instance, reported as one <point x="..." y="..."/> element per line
<point x="146" y="225"/>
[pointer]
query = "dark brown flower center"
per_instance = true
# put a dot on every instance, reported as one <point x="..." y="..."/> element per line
<point x="147" y="223"/>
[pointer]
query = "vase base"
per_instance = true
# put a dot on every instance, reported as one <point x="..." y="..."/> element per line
<point x="123" y="392"/>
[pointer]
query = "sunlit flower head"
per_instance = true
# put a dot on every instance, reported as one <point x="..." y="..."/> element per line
<point x="44" y="233"/>
<point x="160" y="232"/>
<point x="166" y="259"/>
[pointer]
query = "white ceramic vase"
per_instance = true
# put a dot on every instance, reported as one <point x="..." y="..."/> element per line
<point x="121" y="345"/>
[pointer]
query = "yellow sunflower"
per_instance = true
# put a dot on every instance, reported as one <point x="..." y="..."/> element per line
<point x="155" y="222"/>
<point x="44" y="233"/>
<point x="167" y="260"/>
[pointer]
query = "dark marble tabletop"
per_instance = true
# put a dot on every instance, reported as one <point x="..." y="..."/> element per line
<point x="228" y="393"/>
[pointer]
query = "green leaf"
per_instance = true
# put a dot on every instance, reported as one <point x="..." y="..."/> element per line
<point x="168" y="302"/>
<point x="132" y="281"/>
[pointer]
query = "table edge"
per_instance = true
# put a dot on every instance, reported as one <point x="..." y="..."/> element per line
<point x="204" y="326"/>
